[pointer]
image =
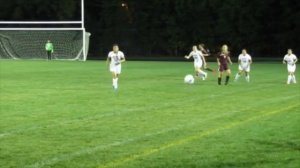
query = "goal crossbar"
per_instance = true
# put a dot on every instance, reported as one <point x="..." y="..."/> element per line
<point x="41" y="28"/>
<point x="40" y="22"/>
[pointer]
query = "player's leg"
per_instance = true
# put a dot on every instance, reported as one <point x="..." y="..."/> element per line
<point x="247" y="74"/>
<point x="220" y="75"/>
<point x="228" y="73"/>
<point x="114" y="79"/>
<point x="199" y="72"/>
<point x="293" y="69"/>
<point x="48" y="54"/>
<point x="290" y="74"/>
<point x="118" y="72"/>
<point x="209" y="69"/>
<point x="113" y="70"/>
<point x="203" y="74"/>
<point x="290" y="78"/>
<point x="238" y="74"/>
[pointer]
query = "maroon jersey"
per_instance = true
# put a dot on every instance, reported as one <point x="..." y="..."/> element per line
<point x="223" y="58"/>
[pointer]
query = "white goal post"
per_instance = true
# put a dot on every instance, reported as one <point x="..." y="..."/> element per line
<point x="28" y="42"/>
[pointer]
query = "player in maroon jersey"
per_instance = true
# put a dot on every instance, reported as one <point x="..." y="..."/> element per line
<point x="223" y="59"/>
<point x="205" y="53"/>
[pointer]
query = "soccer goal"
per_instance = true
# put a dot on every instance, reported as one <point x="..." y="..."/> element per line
<point x="70" y="40"/>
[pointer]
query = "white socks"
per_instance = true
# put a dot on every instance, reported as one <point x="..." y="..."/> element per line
<point x="237" y="76"/>
<point x="248" y="78"/>
<point x="115" y="83"/>
<point x="294" y="78"/>
<point x="202" y="74"/>
<point x="291" y="78"/>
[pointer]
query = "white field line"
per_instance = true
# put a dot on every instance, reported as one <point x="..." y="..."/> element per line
<point x="91" y="150"/>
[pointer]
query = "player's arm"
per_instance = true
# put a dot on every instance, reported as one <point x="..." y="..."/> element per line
<point x="122" y="59"/>
<point x="204" y="61"/>
<point x="108" y="60"/>
<point x="239" y="60"/>
<point x="229" y="60"/>
<point x="296" y="60"/>
<point x="205" y="53"/>
<point x="284" y="61"/>
<point x="218" y="61"/>
<point x="188" y="56"/>
<point x="250" y="61"/>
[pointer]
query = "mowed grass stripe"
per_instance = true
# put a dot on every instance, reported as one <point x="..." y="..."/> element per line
<point x="72" y="115"/>
<point x="89" y="118"/>
<point x="90" y="151"/>
<point x="147" y="152"/>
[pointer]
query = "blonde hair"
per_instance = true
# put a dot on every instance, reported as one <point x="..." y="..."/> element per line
<point x="224" y="49"/>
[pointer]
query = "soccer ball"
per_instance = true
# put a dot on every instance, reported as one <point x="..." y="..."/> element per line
<point x="189" y="79"/>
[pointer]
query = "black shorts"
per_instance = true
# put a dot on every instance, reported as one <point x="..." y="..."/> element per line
<point x="223" y="67"/>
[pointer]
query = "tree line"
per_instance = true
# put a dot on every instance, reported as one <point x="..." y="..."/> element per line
<point x="170" y="27"/>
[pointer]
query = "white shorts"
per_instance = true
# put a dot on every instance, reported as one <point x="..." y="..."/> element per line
<point x="291" y="68"/>
<point x="197" y="65"/>
<point x="245" y="68"/>
<point x="115" y="68"/>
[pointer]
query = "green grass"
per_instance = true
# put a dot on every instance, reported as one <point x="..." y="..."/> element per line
<point x="65" y="114"/>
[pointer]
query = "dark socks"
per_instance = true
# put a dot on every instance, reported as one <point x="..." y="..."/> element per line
<point x="209" y="69"/>
<point x="219" y="80"/>
<point x="227" y="80"/>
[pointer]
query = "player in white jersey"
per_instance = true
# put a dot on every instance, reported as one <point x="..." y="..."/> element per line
<point x="114" y="59"/>
<point x="199" y="61"/>
<point x="244" y="61"/>
<point x="290" y="59"/>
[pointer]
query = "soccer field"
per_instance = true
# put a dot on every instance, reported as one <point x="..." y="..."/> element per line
<point x="66" y="114"/>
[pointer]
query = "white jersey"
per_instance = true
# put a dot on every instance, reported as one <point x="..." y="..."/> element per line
<point x="244" y="59"/>
<point x="290" y="59"/>
<point x="115" y="57"/>
<point x="197" y="55"/>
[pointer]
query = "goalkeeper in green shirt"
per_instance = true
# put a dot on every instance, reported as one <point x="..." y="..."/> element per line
<point x="49" y="49"/>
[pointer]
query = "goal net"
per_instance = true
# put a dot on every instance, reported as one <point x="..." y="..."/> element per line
<point x="30" y="43"/>
<point x="27" y="39"/>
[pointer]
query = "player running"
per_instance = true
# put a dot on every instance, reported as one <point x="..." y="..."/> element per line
<point x="199" y="61"/>
<point x="223" y="59"/>
<point x="114" y="59"/>
<point x="290" y="59"/>
<point x="244" y="61"/>
<point x="205" y="53"/>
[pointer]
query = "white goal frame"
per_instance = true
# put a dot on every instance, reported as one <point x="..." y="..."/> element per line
<point x="80" y="22"/>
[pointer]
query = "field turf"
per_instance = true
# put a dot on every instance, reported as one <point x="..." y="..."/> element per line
<point x="62" y="114"/>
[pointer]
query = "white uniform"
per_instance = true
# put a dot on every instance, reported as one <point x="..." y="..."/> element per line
<point x="115" y="65"/>
<point x="244" y="62"/>
<point x="197" y="55"/>
<point x="290" y="59"/>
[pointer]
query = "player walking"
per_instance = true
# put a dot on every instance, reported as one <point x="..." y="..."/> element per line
<point x="114" y="59"/>
<point x="223" y="59"/>
<point x="290" y="59"/>
<point x="244" y="61"/>
<point x="199" y="61"/>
